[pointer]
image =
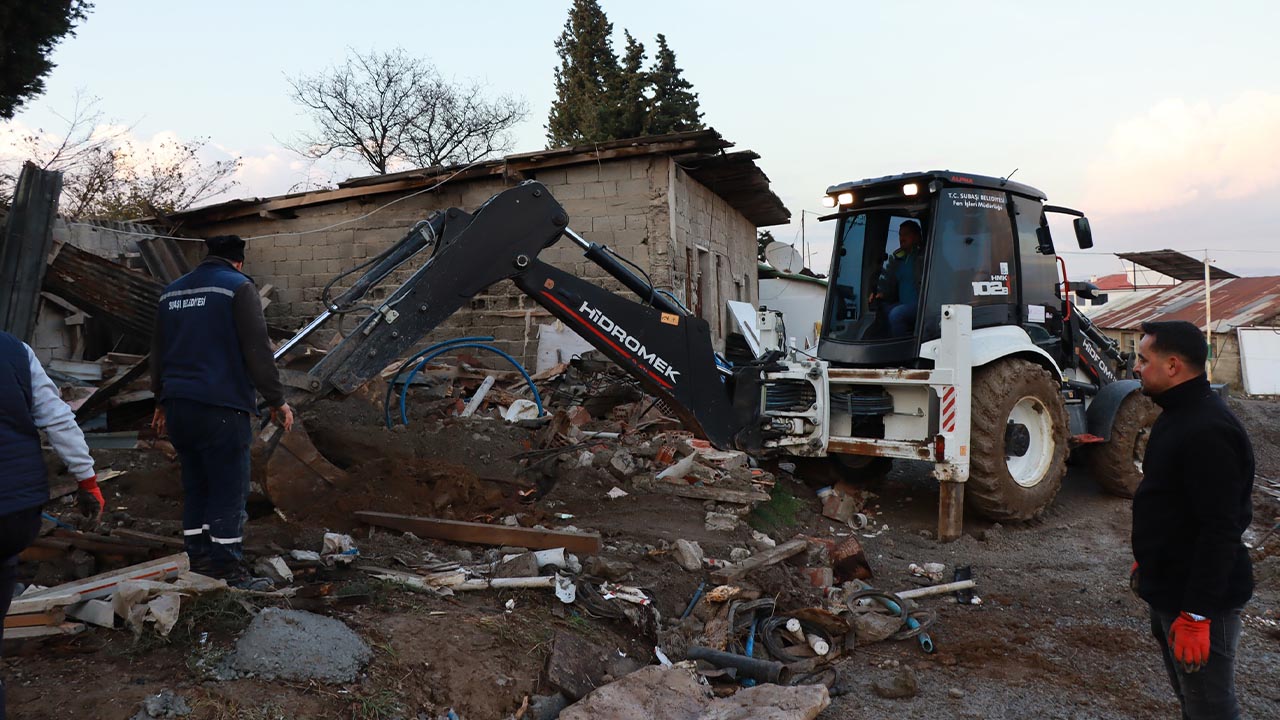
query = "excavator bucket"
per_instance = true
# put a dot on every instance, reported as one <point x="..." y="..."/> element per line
<point x="291" y="471"/>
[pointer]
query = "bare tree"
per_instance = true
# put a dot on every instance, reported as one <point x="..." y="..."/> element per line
<point x="106" y="176"/>
<point x="391" y="108"/>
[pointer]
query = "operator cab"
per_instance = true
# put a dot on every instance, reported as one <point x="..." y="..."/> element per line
<point x="908" y="244"/>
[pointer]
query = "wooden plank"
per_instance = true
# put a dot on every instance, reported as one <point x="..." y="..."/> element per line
<point x="98" y="400"/>
<point x="703" y="492"/>
<point x="481" y="534"/>
<point x="151" y="539"/>
<point x="52" y="616"/>
<point x="104" y="584"/>
<point x="764" y="559"/>
<point x="27" y="604"/>
<point x="27" y="633"/>
<point x="66" y="487"/>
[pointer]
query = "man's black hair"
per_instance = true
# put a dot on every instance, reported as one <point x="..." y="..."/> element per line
<point x="1181" y="338"/>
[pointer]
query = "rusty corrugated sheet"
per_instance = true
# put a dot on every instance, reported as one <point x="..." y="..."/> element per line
<point x="1238" y="302"/>
<point x="107" y="290"/>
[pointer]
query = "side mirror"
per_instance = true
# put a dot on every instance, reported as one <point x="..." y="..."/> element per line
<point x="1045" y="239"/>
<point x="1084" y="235"/>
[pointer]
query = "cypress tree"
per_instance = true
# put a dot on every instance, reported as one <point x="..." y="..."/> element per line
<point x="583" y="109"/>
<point x="674" y="107"/>
<point x="629" y="94"/>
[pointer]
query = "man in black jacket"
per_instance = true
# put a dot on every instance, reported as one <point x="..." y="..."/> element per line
<point x="210" y="351"/>
<point x="1188" y="517"/>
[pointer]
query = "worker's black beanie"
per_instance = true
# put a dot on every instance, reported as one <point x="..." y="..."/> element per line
<point x="230" y="247"/>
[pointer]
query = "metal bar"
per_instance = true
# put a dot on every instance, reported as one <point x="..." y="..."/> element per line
<point x="302" y="334"/>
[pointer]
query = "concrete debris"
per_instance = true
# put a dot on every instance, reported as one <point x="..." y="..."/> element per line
<point x="874" y="627"/>
<point x="675" y="694"/>
<point x="622" y="465"/>
<point x="931" y="571"/>
<point x="739" y="554"/>
<point x="274" y="569"/>
<point x="298" y="646"/>
<point x="901" y="684"/>
<point x="761" y="541"/>
<point x="165" y="704"/>
<point x="609" y="569"/>
<point x="616" y="493"/>
<point x="546" y="707"/>
<point x="721" y="522"/>
<point x="523" y="565"/>
<point x="689" y="555"/>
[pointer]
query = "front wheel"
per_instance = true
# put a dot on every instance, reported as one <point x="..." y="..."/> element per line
<point x="1116" y="465"/>
<point x="1019" y="440"/>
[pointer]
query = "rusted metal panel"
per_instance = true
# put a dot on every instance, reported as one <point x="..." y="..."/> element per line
<point x="27" y="238"/>
<point x="850" y="374"/>
<point x="910" y="450"/>
<point x="1236" y="302"/>
<point x="107" y="290"/>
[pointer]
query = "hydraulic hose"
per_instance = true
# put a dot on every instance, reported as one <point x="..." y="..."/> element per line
<point x="404" y="390"/>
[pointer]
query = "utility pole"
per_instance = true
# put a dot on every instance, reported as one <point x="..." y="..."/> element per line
<point x="1208" y="323"/>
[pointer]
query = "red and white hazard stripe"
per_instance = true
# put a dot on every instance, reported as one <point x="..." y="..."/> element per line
<point x="949" y="410"/>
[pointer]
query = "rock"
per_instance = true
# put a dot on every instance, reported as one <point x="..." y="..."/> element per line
<point x="274" y="569"/>
<point x="461" y="555"/>
<point x="546" y="707"/>
<point x="689" y="555"/>
<point x="739" y="554"/>
<point x="622" y="465"/>
<point x="674" y="694"/>
<point x="576" y="666"/>
<point x="165" y="704"/>
<point x="956" y="693"/>
<point x="870" y="627"/>
<point x="608" y="569"/>
<point x="721" y="522"/>
<point x="901" y="684"/>
<point x="760" y="541"/>
<point x="300" y="646"/>
<point x="522" y="565"/>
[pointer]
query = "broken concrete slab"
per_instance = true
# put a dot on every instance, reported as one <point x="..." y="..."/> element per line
<point x="297" y="645"/>
<point x="165" y="704"/>
<point x="721" y="522"/>
<point x="674" y="694"/>
<point x="522" y="565"/>
<point x="688" y="555"/>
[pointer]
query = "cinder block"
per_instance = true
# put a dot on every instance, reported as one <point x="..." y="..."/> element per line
<point x="608" y="188"/>
<point x="585" y="173"/>
<point x="568" y="191"/>
<point x="287" y="267"/>
<point x="615" y="170"/>
<point x="315" y="267"/>
<point x="301" y="252"/>
<point x="550" y="176"/>
<point x="639" y="188"/>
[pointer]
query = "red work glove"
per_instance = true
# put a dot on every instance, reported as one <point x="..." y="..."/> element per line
<point x="89" y="499"/>
<point x="1189" y="641"/>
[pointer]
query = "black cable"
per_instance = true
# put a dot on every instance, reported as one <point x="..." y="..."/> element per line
<point x="653" y="292"/>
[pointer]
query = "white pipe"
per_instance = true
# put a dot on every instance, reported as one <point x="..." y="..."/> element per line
<point x="942" y="589"/>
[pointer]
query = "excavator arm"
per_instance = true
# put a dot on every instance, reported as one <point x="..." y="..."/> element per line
<point x="659" y="343"/>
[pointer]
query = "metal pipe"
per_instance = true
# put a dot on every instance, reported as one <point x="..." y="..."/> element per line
<point x="303" y="333"/>
<point x="759" y="670"/>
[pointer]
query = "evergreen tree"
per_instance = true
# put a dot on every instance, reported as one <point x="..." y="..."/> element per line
<point x="674" y="107"/>
<point x="583" y="109"/>
<point x="28" y="33"/>
<point x="629" y="92"/>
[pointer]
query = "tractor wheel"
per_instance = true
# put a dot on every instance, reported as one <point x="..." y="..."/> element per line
<point x="1019" y="440"/>
<point x="1116" y="465"/>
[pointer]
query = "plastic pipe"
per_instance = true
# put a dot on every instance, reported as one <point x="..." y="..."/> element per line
<point x="758" y="670"/>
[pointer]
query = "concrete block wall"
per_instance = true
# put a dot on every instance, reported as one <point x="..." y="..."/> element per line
<point x="622" y="203"/>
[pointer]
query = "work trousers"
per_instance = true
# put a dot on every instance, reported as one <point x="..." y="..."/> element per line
<point x="17" y="531"/>
<point x="213" y="447"/>
<point x="1210" y="692"/>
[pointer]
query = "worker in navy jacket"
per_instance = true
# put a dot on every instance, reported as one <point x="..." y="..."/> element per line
<point x="210" y="351"/>
<point x="1189" y="513"/>
<point x="30" y="402"/>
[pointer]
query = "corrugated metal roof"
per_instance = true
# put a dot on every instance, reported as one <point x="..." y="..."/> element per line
<point x="1237" y="302"/>
<point x="1175" y="264"/>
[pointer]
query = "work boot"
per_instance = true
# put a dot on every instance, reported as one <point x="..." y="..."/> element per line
<point x="201" y="564"/>
<point x="239" y="577"/>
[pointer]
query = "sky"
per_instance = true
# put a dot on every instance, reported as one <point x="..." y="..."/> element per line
<point x="1160" y="120"/>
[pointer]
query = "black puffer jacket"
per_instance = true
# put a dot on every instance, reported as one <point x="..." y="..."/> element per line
<point x="1194" y="504"/>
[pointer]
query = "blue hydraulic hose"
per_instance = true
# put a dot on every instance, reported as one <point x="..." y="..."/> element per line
<point x="404" y="390"/>
<point x="386" y="402"/>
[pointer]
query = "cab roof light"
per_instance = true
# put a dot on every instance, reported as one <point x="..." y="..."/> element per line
<point x="910" y="189"/>
<point x="828" y="201"/>
<point x="845" y="198"/>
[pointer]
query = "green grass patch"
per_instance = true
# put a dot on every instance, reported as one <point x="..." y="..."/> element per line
<point x="779" y="513"/>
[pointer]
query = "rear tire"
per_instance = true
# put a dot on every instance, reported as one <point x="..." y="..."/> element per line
<point x="1116" y="465"/>
<point x="1019" y="440"/>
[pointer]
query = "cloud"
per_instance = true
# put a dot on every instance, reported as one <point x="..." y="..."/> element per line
<point x="1180" y="153"/>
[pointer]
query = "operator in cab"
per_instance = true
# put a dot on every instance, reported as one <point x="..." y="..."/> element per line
<point x="898" y="289"/>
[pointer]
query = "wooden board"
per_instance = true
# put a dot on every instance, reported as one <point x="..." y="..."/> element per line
<point x="481" y="534"/>
<point x="28" y="604"/>
<point x="54" y="616"/>
<point x="104" y="584"/>
<point x="764" y="559"/>
<point x="26" y="633"/>
<point x="703" y="492"/>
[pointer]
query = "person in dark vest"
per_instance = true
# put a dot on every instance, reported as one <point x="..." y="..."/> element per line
<point x="209" y="352"/>
<point x="30" y="402"/>
<point x="898" y="288"/>
<point x="1189" y="513"/>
